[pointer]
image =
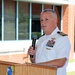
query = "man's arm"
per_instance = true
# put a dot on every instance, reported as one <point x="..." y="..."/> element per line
<point x="57" y="62"/>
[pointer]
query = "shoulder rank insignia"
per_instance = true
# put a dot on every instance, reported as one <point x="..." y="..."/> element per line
<point x="61" y="33"/>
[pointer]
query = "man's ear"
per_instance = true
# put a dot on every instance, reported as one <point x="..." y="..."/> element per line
<point x="56" y="20"/>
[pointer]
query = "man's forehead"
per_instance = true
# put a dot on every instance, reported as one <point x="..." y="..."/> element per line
<point x="51" y="14"/>
<point x="46" y="14"/>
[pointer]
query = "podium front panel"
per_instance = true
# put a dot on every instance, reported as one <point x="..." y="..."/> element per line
<point x="26" y="69"/>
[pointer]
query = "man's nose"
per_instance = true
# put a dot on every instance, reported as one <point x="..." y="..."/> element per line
<point x="43" y="22"/>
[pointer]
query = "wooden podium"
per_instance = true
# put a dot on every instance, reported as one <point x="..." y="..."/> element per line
<point x="27" y="69"/>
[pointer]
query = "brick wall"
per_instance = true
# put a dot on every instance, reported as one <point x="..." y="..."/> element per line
<point x="68" y="25"/>
<point x="74" y="28"/>
<point x="65" y="19"/>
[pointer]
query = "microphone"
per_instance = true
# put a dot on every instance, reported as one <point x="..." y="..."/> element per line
<point x="33" y="45"/>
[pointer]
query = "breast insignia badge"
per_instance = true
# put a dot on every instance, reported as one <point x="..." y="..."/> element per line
<point x="51" y="42"/>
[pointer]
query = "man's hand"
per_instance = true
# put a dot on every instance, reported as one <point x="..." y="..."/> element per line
<point x="31" y="51"/>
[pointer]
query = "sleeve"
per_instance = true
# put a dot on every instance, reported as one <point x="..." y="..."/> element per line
<point x="63" y="47"/>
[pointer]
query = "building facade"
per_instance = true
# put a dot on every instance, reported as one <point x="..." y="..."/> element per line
<point x="20" y="21"/>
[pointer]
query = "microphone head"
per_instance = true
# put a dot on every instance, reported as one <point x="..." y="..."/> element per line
<point x="34" y="37"/>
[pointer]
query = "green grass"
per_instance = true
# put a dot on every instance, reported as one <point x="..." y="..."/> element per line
<point x="71" y="73"/>
<point x="71" y="60"/>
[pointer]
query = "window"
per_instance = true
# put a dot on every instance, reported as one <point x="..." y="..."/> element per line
<point x="26" y="24"/>
<point x="23" y="21"/>
<point x="58" y="11"/>
<point x="9" y="20"/>
<point x="36" y="28"/>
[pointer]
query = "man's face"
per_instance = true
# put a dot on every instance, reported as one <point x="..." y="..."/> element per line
<point x="48" y="22"/>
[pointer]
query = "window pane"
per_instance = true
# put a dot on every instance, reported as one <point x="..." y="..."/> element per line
<point x="36" y="28"/>
<point x="9" y="20"/>
<point x="58" y="11"/>
<point x="0" y="19"/>
<point x="23" y="20"/>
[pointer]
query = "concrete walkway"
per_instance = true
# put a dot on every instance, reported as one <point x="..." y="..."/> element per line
<point x="71" y="66"/>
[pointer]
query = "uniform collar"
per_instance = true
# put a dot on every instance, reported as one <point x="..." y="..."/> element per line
<point x="54" y="32"/>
